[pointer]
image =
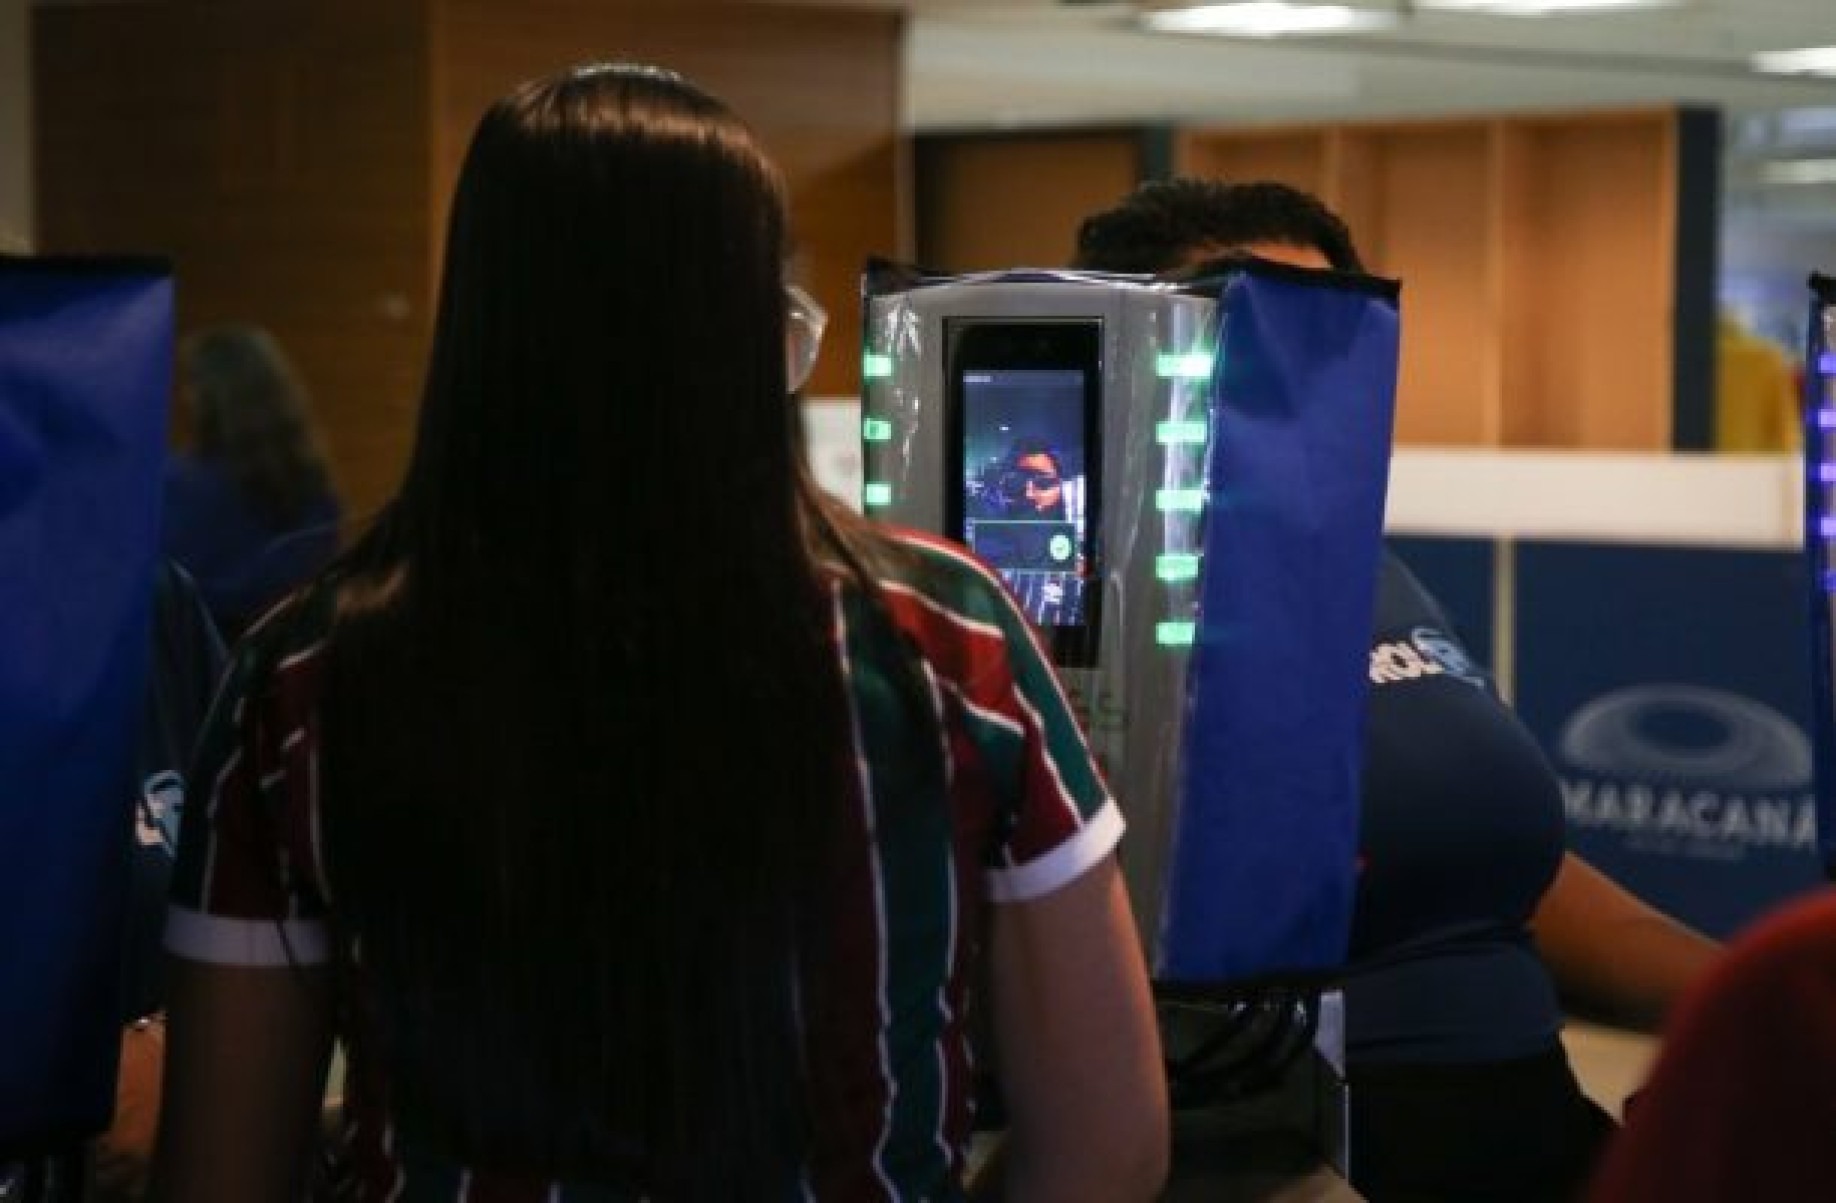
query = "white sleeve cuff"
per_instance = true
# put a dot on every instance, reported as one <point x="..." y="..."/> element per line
<point x="1096" y="839"/>
<point x="257" y="943"/>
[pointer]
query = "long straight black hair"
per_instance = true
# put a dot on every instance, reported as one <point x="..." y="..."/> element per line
<point x="584" y="725"/>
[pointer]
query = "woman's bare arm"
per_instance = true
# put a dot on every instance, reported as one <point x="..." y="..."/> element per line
<point x="1077" y="1047"/>
<point x="246" y="1055"/>
<point x="1613" y="956"/>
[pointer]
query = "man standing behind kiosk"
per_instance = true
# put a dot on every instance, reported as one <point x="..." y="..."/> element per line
<point x="1472" y="924"/>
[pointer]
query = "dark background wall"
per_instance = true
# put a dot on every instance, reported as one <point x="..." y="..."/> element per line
<point x="294" y="159"/>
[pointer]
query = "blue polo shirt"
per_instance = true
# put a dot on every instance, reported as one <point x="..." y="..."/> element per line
<point x="1462" y="834"/>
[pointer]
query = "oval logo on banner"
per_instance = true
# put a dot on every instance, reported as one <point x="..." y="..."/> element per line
<point x="1682" y="769"/>
<point x="1688" y="734"/>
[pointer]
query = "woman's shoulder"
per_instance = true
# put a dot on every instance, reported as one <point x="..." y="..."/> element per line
<point x="942" y="574"/>
<point x="290" y="633"/>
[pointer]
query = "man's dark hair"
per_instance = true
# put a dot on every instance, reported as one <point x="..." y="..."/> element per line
<point x="1030" y="445"/>
<point x="1157" y="227"/>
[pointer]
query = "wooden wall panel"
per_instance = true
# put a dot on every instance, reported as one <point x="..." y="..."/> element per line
<point x="15" y="123"/>
<point x="1426" y="221"/>
<point x="276" y="153"/>
<point x="1294" y="157"/>
<point x="295" y="159"/>
<point x="997" y="201"/>
<point x="821" y="87"/>
<point x="1597" y="231"/>
<point x="1544" y="300"/>
<point x="1523" y="328"/>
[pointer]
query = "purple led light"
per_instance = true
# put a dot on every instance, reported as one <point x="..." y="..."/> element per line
<point x="1826" y="363"/>
<point x="1826" y="526"/>
<point x="1826" y="419"/>
<point x="1827" y="473"/>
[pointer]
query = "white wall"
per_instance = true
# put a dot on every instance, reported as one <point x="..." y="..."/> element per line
<point x="1752" y="501"/>
<point x="15" y="119"/>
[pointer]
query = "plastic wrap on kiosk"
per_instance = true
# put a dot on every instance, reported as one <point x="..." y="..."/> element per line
<point x="1820" y="550"/>
<point x="85" y="370"/>
<point x="1222" y="494"/>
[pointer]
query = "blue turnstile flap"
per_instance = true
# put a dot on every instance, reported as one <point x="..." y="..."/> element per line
<point x="1266" y="836"/>
<point x="1820" y="550"/>
<point x="85" y="367"/>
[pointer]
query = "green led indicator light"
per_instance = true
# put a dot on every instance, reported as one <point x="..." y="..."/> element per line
<point x="1176" y="566"/>
<point x="876" y="430"/>
<point x="1179" y="501"/>
<point x="1171" y="433"/>
<point x="876" y="492"/>
<point x="875" y="366"/>
<point x="1175" y="634"/>
<point x="1186" y="365"/>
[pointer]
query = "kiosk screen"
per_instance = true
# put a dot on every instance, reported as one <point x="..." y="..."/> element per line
<point x="1025" y="405"/>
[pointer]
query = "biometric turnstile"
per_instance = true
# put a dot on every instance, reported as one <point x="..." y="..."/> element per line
<point x="974" y="392"/>
<point x="1182" y="485"/>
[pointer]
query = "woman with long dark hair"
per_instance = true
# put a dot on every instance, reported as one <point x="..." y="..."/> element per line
<point x="251" y="510"/>
<point x="638" y="819"/>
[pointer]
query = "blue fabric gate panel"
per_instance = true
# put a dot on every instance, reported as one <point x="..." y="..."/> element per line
<point x="1265" y="840"/>
<point x="85" y="369"/>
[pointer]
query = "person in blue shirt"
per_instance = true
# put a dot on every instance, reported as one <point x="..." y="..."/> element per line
<point x="1473" y="926"/>
<point x="185" y="657"/>
<point x="250" y="511"/>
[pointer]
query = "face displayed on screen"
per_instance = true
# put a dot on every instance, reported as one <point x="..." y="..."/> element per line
<point x="1044" y="489"/>
<point x="1024" y="484"/>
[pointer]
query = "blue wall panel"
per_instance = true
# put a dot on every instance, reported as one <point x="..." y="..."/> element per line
<point x="1671" y="687"/>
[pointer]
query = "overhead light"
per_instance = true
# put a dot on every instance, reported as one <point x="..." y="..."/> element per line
<point x="1267" y="19"/>
<point x="1810" y="60"/>
<point x="1540" y="8"/>
<point x="1799" y="171"/>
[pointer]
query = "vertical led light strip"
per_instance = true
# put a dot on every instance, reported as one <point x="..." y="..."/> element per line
<point x="1820" y="448"/>
<point x="1184" y="439"/>
<point x="1820" y="551"/>
<point x="876" y="431"/>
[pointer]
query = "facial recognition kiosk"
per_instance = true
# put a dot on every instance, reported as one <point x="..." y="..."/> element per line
<point x="1820" y="549"/>
<point x="984" y="418"/>
<point x="1182" y="485"/>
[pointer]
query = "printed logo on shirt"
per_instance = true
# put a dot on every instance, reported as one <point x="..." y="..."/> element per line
<point x="1427" y="652"/>
<point x="156" y="813"/>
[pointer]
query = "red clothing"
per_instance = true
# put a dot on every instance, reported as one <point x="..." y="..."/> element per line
<point x="1742" y="1104"/>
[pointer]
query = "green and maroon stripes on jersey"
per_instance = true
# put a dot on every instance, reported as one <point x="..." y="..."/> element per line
<point x="991" y="798"/>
